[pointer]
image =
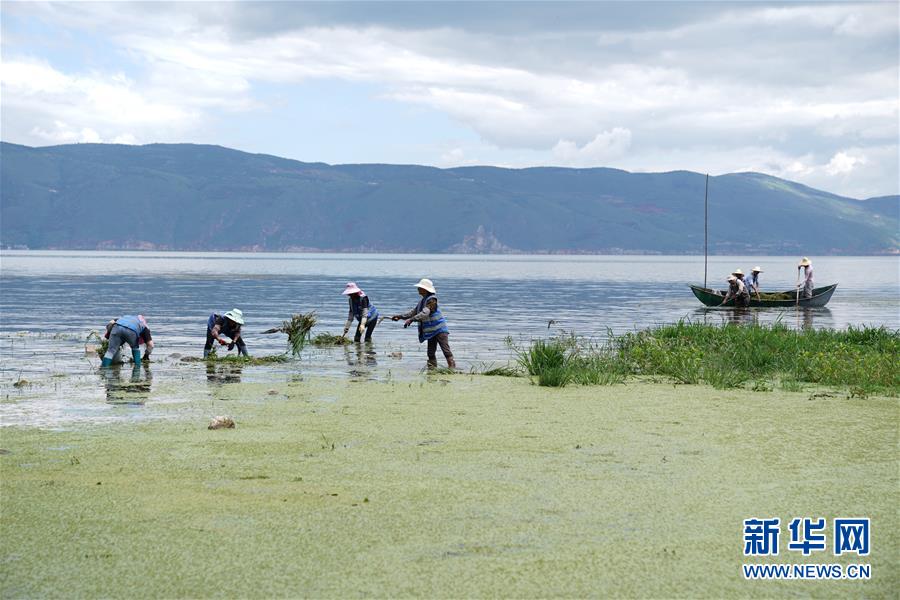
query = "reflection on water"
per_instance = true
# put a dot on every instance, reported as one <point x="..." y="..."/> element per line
<point x="218" y="373"/>
<point x="49" y="302"/>
<point x="795" y="318"/>
<point x="127" y="385"/>
<point x="361" y="357"/>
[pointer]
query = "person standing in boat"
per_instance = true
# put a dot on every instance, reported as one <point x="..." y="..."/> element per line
<point x="220" y="327"/>
<point x="806" y="284"/>
<point x="432" y="325"/>
<point x="738" y="291"/>
<point x="362" y="310"/>
<point x="751" y="282"/>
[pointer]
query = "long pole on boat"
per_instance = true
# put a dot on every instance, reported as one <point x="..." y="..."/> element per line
<point x="705" y="229"/>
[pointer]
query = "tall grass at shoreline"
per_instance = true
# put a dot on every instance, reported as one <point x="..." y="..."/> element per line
<point x="725" y="356"/>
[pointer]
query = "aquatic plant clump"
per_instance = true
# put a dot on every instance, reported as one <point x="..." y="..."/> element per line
<point x="726" y="356"/>
<point x="562" y="360"/>
<point x="327" y="339"/>
<point x="298" y="329"/>
<point x="240" y="360"/>
<point x="102" y="343"/>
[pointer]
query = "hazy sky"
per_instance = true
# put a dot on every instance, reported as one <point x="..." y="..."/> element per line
<point x="805" y="91"/>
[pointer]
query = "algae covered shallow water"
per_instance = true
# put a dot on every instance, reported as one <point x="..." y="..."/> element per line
<point x="51" y="300"/>
<point x="451" y="486"/>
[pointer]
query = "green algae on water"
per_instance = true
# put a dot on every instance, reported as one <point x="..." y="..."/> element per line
<point x="239" y="360"/>
<point x="462" y="487"/>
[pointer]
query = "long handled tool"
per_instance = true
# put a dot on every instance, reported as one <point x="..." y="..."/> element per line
<point x="798" y="287"/>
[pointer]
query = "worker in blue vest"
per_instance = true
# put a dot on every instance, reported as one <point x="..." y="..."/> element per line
<point x="362" y="310"/>
<point x="221" y="327"/>
<point x="131" y="330"/>
<point x="432" y="325"/>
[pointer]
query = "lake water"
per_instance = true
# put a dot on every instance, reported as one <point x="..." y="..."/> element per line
<point x="50" y="301"/>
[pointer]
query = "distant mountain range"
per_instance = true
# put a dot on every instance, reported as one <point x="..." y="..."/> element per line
<point x="195" y="197"/>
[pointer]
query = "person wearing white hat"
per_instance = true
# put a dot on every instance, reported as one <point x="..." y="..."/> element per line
<point x="362" y="310"/>
<point x="738" y="291"/>
<point x="432" y="325"/>
<point x="805" y="282"/>
<point x="221" y="327"/>
<point x="751" y="281"/>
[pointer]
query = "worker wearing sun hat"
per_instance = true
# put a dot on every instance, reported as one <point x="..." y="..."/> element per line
<point x="805" y="281"/>
<point x="738" y="291"/>
<point x="751" y="281"/>
<point x="361" y="309"/>
<point x="432" y="325"/>
<point x="221" y="327"/>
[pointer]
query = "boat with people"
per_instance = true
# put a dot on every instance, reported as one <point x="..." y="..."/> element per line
<point x="820" y="297"/>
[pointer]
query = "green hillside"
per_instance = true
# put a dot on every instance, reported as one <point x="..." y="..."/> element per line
<point x="194" y="197"/>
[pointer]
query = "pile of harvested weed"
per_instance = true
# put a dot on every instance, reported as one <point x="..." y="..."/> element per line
<point x="327" y="339"/>
<point x="298" y="329"/>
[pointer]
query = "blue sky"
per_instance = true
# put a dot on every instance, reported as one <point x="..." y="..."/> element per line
<point x="804" y="91"/>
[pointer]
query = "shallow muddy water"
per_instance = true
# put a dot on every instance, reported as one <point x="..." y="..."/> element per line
<point x="50" y="301"/>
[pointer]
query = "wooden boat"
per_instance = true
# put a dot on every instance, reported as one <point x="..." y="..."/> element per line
<point x="820" y="298"/>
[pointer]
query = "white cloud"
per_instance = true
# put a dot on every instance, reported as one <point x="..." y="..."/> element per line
<point x="784" y="90"/>
<point x="605" y="147"/>
<point x="51" y="106"/>
<point x="843" y="163"/>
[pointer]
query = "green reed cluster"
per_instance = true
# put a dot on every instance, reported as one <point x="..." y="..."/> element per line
<point x="725" y="356"/>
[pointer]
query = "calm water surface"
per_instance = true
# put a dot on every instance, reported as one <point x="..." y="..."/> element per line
<point x="50" y="301"/>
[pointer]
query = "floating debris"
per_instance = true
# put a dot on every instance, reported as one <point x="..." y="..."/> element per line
<point x="21" y="383"/>
<point x="396" y="355"/>
<point x="327" y="339"/>
<point x="298" y="329"/>
<point x="222" y="422"/>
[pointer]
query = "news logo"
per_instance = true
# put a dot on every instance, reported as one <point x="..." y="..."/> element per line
<point x="807" y="535"/>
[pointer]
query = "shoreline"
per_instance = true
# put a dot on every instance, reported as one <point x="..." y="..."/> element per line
<point x="454" y="485"/>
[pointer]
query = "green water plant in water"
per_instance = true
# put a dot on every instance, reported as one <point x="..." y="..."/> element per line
<point x="724" y="356"/>
<point x="328" y="339"/>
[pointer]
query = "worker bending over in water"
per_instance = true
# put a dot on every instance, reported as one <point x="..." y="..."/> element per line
<point x="220" y="327"/>
<point x="432" y="325"/>
<point x="131" y="330"/>
<point x="362" y="310"/>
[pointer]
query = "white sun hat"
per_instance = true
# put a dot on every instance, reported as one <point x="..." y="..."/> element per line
<point x="351" y="288"/>
<point x="731" y="278"/>
<point x="756" y="270"/>
<point x="737" y="272"/>
<point x="427" y="285"/>
<point x="235" y="315"/>
<point x="805" y="262"/>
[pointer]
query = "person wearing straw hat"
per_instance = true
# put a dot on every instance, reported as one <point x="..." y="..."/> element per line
<point x="740" y="275"/>
<point x="432" y="325"/>
<point x="738" y="291"/>
<point x="362" y="310"/>
<point x="221" y="327"/>
<point x="131" y="330"/>
<point x="805" y="282"/>
<point x="751" y="282"/>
